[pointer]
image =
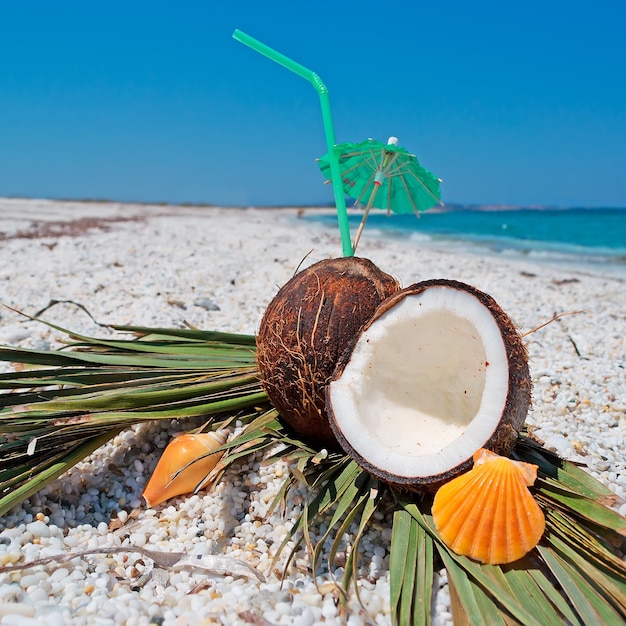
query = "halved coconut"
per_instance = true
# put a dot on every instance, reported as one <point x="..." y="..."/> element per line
<point x="306" y="328"/>
<point x="439" y="372"/>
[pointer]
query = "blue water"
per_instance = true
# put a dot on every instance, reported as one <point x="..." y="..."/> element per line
<point x="586" y="235"/>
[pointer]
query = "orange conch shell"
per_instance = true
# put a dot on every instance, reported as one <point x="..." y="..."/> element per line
<point x="183" y="466"/>
<point x="488" y="513"/>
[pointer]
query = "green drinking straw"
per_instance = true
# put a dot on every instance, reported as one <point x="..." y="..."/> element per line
<point x="322" y="90"/>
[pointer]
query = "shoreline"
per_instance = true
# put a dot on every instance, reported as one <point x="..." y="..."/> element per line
<point x="600" y="261"/>
<point x="101" y="214"/>
<point x="150" y="267"/>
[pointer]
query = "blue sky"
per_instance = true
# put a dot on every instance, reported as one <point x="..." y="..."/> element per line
<point x="507" y="102"/>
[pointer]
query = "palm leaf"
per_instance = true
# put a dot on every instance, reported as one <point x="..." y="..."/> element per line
<point x="370" y="504"/>
<point x="51" y="418"/>
<point x="411" y="570"/>
<point x="589" y="605"/>
<point x="331" y="480"/>
<point x="459" y="567"/>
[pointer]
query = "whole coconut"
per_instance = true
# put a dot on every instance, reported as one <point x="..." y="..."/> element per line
<point x="304" y="331"/>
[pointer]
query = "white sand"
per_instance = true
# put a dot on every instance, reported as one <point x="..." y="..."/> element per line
<point x="172" y="266"/>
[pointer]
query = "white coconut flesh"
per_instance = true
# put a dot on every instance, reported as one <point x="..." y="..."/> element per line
<point x="425" y="385"/>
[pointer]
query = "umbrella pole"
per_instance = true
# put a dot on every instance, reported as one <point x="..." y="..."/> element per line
<point x="387" y="159"/>
<point x="366" y="212"/>
<point x="322" y="90"/>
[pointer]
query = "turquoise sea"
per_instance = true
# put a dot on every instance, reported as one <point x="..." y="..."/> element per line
<point x="590" y="236"/>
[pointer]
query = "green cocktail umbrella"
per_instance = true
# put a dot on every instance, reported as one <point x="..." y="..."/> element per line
<point x="387" y="175"/>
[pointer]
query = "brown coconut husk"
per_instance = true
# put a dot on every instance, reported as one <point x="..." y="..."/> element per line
<point x="304" y="331"/>
<point x="515" y="409"/>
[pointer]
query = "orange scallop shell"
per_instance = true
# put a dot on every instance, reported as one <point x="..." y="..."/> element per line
<point x="488" y="513"/>
<point x="184" y="465"/>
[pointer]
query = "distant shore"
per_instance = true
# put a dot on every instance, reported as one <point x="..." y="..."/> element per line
<point x="447" y="206"/>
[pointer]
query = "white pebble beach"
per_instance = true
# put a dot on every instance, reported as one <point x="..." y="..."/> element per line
<point x="217" y="269"/>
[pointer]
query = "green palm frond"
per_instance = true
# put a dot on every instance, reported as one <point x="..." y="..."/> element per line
<point x="411" y="570"/>
<point x="78" y="398"/>
<point x="64" y="404"/>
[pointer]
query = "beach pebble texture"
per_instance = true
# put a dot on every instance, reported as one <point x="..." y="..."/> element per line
<point x="217" y="269"/>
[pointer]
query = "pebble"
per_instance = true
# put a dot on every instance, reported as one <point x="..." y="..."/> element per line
<point x="578" y="409"/>
<point x="38" y="529"/>
<point x="14" y="334"/>
<point x="207" y="304"/>
<point x="15" y="609"/>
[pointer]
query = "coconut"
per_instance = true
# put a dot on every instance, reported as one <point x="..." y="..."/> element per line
<point x="439" y="372"/>
<point x="304" y="331"/>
